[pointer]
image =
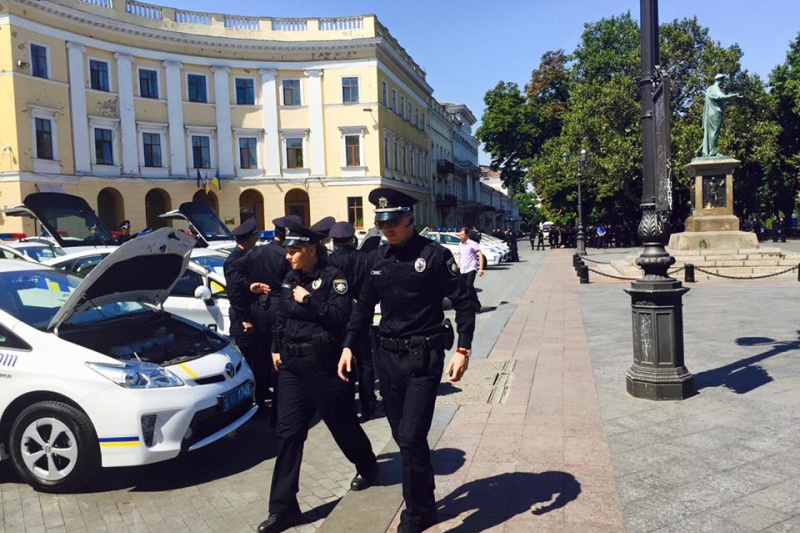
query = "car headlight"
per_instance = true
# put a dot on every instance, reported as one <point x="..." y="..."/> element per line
<point x="137" y="375"/>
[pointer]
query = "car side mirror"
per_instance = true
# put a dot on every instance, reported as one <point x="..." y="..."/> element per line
<point x="204" y="293"/>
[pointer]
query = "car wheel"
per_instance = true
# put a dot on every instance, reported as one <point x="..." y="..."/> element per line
<point x="54" y="447"/>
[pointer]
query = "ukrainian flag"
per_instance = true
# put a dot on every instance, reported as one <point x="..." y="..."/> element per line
<point x="216" y="181"/>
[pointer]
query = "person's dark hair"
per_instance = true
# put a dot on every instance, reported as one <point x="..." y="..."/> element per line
<point x="280" y="233"/>
<point x="351" y="242"/>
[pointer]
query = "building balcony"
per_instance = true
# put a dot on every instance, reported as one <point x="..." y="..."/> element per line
<point x="446" y="200"/>
<point x="444" y="166"/>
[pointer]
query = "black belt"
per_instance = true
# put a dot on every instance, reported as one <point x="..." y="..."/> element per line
<point x="399" y="345"/>
<point x="299" y="349"/>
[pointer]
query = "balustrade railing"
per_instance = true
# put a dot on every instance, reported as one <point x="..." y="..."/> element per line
<point x="143" y="10"/>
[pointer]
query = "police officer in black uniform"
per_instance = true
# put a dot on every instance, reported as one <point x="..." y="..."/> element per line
<point x="410" y="277"/>
<point x="354" y="265"/>
<point x="313" y="312"/>
<point x="238" y="289"/>
<point x="124" y="232"/>
<point x="265" y="267"/>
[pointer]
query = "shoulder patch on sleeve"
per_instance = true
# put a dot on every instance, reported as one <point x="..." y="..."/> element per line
<point x="340" y="286"/>
<point x="453" y="267"/>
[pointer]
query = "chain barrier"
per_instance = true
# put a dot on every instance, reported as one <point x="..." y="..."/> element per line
<point x="584" y="258"/>
<point x="679" y="269"/>
<point x="704" y="271"/>
<point x="611" y="275"/>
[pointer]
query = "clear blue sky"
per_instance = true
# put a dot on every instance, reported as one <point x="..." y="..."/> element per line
<point x="467" y="46"/>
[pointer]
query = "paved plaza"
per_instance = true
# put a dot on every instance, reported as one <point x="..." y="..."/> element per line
<point x="541" y="436"/>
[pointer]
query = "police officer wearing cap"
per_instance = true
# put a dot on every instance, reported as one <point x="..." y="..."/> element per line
<point x="353" y="264"/>
<point x="124" y="232"/>
<point x="237" y="287"/>
<point x="313" y="312"/>
<point x="265" y="267"/>
<point x="410" y="277"/>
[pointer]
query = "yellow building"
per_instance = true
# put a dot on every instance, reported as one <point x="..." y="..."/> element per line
<point x="131" y="105"/>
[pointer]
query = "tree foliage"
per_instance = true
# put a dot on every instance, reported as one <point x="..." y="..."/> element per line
<point x="589" y="99"/>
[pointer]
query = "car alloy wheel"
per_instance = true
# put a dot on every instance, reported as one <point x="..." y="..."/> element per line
<point x="54" y="447"/>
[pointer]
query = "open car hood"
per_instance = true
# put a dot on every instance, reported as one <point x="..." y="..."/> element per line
<point x="66" y="218"/>
<point x="141" y="270"/>
<point x="204" y="222"/>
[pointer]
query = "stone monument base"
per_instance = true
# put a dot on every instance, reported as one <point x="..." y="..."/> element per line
<point x="712" y="223"/>
<point x="713" y="240"/>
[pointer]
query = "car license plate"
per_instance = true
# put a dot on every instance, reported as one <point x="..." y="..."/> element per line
<point x="234" y="397"/>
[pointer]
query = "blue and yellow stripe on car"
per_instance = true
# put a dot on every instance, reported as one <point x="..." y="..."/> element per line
<point x="119" y="442"/>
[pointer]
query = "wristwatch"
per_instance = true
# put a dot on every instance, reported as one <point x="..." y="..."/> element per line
<point x="306" y="298"/>
<point x="463" y="351"/>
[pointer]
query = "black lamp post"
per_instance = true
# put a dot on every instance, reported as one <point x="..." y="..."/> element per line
<point x="580" y="238"/>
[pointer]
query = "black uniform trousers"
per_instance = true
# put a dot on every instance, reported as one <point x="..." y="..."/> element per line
<point x="409" y="399"/>
<point x="309" y="384"/>
<point x="366" y="373"/>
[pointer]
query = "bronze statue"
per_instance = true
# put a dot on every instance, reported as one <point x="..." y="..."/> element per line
<point x="713" y="113"/>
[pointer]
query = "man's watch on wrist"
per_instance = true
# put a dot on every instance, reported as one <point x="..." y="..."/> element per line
<point x="463" y="351"/>
<point x="306" y="298"/>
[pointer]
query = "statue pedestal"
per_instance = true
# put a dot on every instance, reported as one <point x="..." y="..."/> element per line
<point x="712" y="224"/>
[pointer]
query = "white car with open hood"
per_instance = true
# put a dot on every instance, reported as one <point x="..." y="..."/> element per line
<point x="93" y="373"/>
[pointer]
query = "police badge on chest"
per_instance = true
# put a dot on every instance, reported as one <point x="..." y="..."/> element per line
<point x="420" y="264"/>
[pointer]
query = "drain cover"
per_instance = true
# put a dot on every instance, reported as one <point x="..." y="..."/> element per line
<point x="484" y="382"/>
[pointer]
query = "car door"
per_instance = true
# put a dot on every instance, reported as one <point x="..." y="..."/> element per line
<point x="182" y="302"/>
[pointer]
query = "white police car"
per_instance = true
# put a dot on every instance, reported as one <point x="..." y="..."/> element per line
<point x="94" y="374"/>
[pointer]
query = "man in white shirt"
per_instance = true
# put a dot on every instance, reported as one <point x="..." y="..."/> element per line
<point x="472" y="262"/>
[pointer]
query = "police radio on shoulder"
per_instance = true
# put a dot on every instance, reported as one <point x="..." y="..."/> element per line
<point x="464" y="352"/>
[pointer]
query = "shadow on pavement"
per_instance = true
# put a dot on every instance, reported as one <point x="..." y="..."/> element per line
<point x="496" y="499"/>
<point x="745" y="375"/>
<point x="446" y="461"/>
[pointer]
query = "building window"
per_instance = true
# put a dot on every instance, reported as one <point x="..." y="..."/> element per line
<point x="404" y="160"/>
<point x="39" y="61"/>
<point x="148" y="83"/>
<point x="201" y="151"/>
<point x="352" y="148"/>
<point x="386" y="161"/>
<point x="396" y="157"/>
<point x="385" y="94"/>
<point x="294" y="153"/>
<point x="422" y="123"/>
<point x="291" y="92"/>
<point x="394" y="101"/>
<point x="103" y="146"/>
<point x="409" y="112"/>
<point x="247" y="152"/>
<point x="152" y="149"/>
<point x="413" y="169"/>
<point x="355" y="211"/>
<point x="416" y="117"/>
<point x="349" y="90"/>
<point x="403" y="107"/>
<point x="44" y="138"/>
<point x="98" y="75"/>
<point x="245" y="91"/>
<point x="197" y="88"/>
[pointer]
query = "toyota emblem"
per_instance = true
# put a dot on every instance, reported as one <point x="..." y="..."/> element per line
<point x="230" y="370"/>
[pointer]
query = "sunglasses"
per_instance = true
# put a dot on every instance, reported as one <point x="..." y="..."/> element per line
<point x="383" y="224"/>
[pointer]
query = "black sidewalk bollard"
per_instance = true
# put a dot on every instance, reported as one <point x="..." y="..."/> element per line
<point x="578" y="265"/>
<point x="798" y="271"/>
<point x="689" y="273"/>
<point x="584" y="273"/>
<point x="575" y="260"/>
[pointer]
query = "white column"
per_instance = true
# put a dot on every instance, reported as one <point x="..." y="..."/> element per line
<point x="269" y="106"/>
<point x="127" y="115"/>
<point x="222" y="90"/>
<point x="77" y="101"/>
<point x="316" y="126"/>
<point x="177" y="144"/>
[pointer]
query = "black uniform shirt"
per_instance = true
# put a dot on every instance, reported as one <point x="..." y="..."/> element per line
<point x="410" y="282"/>
<point x="353" y="265"/>
<point x="328" y="309"/>
<point x="267" y="264"/>
<point x="237" y="286"/>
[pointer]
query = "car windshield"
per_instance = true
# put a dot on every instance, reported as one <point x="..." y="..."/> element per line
<point x="77" y="227"/>
<point x="212" y="263"/>
<point x="35" y="296"/>
<point x="41" y="253"/>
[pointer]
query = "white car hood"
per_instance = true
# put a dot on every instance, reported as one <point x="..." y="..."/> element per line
<point x="143" y="269"/>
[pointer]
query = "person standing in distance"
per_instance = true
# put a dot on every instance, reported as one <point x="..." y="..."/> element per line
<point x="472" y="262"/>
<point x="312" y="314"/>
<point x="124" y="232"/>
<point x="410" y="277"/>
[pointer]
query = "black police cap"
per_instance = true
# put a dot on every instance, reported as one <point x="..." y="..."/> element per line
<point x="126" y="224"/>
<point x="298" y="234"/>
<point x="390" y="204"/>
<point x="342" y="230"/>
<point x="245" y="229"/>
<point x="324" y="225"/>
<point x="280" y="222"/>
